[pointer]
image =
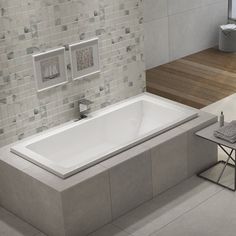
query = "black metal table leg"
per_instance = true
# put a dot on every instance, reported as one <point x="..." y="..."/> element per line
<point x="222" y="148"/>
<point x="226" y="163"/>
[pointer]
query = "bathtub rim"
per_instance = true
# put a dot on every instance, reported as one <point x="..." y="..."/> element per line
<point x="20" y="148"/>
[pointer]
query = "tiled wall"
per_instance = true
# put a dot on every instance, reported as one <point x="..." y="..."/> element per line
<point x="31" y="26"/>
<point x="176" y="28"/>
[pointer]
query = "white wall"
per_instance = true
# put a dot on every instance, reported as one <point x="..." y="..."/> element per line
<point x="176" y="28"/>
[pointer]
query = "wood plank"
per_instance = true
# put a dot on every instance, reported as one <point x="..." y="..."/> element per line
<point x="216" y="59"/>
<point x="185" y="85"/>
<point x="210" y="83"/>
<point x="196" y="80"/>
<point x="176" y="96"/>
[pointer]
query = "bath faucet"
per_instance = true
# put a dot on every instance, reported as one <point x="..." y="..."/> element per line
<point x="84" y="108"/>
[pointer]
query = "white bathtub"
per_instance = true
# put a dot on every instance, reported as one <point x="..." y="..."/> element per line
<point x="73" y="147"/>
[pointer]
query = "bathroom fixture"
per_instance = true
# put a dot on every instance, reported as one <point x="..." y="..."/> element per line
<point x="84" y="108"/>
<point x="76" y="146"/>
<point x="222" y="119"/>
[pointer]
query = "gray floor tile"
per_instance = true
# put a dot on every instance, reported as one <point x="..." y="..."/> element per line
<point x="10" y="225"/>
<point x="109" y="230"/>
<point x="215" y="217"/>
<point x="170" y="205"/>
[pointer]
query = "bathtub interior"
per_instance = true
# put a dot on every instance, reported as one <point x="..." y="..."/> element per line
<point x="98" y="136"/>
<point x="106" y="133"/>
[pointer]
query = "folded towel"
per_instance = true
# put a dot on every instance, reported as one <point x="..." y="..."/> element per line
<point x="225" y="138"/>
<point x="228" y="27"/>
<point x="227" y="132"/>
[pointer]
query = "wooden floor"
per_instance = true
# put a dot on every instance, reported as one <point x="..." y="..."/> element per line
<point x="196" y="80"/>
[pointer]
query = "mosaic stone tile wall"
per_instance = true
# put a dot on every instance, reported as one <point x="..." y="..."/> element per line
<point x="32" y="26"/>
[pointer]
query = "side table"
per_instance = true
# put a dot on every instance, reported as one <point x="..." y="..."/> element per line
<point x="208" y="134"/>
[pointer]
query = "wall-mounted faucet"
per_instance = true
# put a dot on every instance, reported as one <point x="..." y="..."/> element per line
<point x="84" y="108"/>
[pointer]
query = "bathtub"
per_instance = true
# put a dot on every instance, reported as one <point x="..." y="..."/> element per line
<point x="76" y="146"/>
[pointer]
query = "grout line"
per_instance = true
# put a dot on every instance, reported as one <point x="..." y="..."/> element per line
<point x="201" y="6"/>
<point x="151" y="170"/>
<point x="13" y="215"/>
<point x="168" y="24"/>
<point x="109" y="180"/>
<point x="169" y="40"/>
<point x="39" y="234"/>
<point x="186" y="212"/>
<point x="122" y="229"/>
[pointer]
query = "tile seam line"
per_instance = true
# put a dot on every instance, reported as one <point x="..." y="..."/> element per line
<point x="186" y="212"/>
<point x="37" y="234"/>
<point x="110" y="191"/>
<point x="129" y="234"/>
<point x="25" y="222"/>
<point x="195" y="8"/>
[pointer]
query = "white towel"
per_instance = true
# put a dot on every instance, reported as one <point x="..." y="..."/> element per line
<point x="228" y="27"/>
